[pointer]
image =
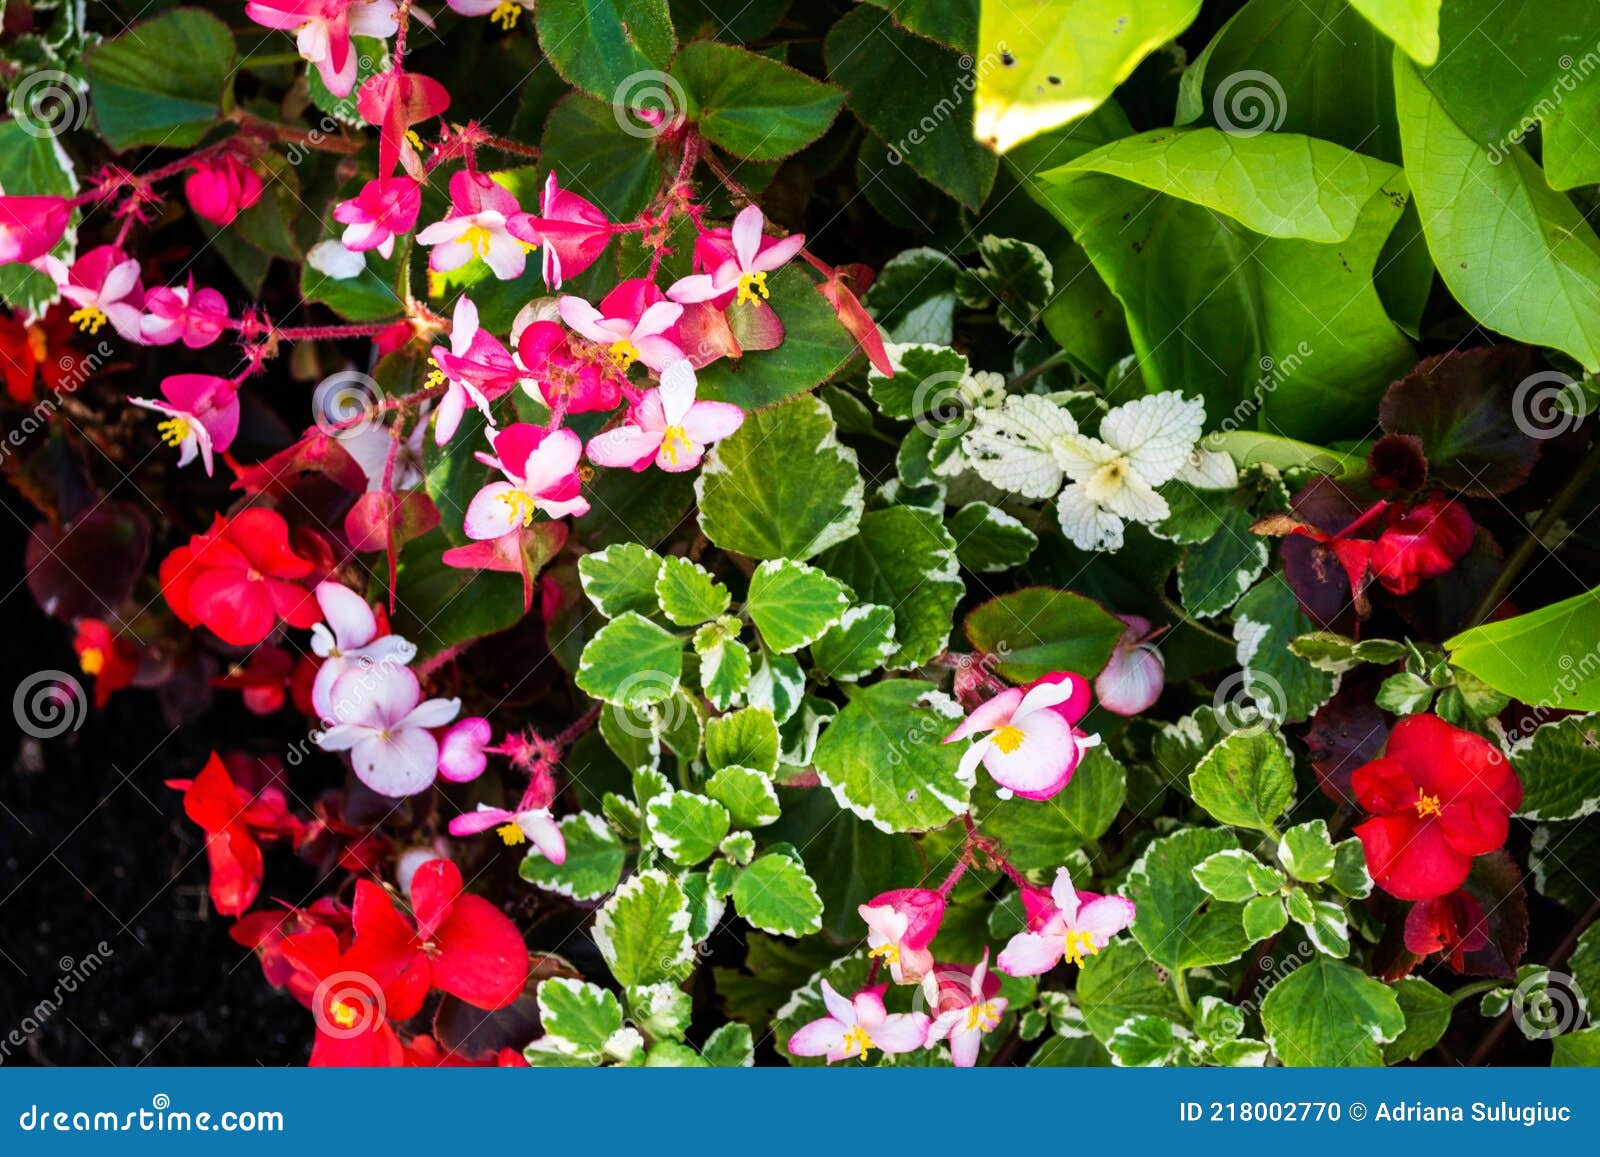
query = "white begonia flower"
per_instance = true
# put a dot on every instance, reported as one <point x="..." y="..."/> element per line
<point x="1014" y="447"/>
<point x="331" y="259"/>
<point x="1209" y="470"/>
<point x="1142" y="445"/>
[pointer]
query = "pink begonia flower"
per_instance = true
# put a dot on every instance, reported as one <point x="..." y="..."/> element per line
<point x="667" y="427"/>
<point x="476" y="228"/>
<point x="634" y="323"/>
<point x="394" y="101"/>
<point x="1063" y="922"/>
<point x="461" y="755"/>
<point x="534" y="825"/>
<point x="477" y="367"/>
<point x="183" y="313"/>
<point x="31" y="226"/>
<point x="573" y="231"/>
<point x="566" y="380"/>
<point x="385" y="725"/>
<point x="385" y="208"/>
<point x="222" y="186"/>
<point x="104" y="285"/>
<point x="323" y="29"/>
<point x="542" y="469"/>
<point x="347" y="639"/>
<point x="856" y="1025"/>
<point x="503" y="12"/>
<point x="735" y="262"/>
<point x="967" y="1006"/>
<point x="900" y="926"/>
<point x="1133" y="678"/>
<point x="1034" y="744"/>
<point x="202" y="415"/>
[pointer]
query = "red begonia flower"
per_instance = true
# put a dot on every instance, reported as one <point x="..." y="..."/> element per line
<point x="1439" y="796"/>
<point x="1453" y="924"/>
<point x="1423" y="543"/>
<point x="475" y="951"/>
<point x="239" y="578"/>
<point x="111" y="659"/>
<point x="235" y="823"/>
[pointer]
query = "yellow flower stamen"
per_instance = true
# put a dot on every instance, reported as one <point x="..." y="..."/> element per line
<point x="345" y="1013"/>
<point x="414" y="139"/>
<point x="982" y="1016"/>
<point x="436" y="377"/>
<point x="173" y="431"/>
<point x="857" y="1040"/>
<point x="675" y="442"/>
<point x="38" y="343"/>
<point x="1079" y="945"/>
<point x="749" y="285"/>
<point x="88" y="319"/>
<point x="889" y="952"/>
<point x="477" y="237"/>
<point x="93" y="660"/>
<point x="1427" y="805"/>
<point x="506" y="15"/>
<point x="527" y="246"/>
<point x="522" y="506"/>
<point x="623" y="354"/>
<point x="1008" y="738"/>
<point x="510" y="834"/>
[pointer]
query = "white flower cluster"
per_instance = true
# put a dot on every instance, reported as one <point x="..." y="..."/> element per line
<point x="1032" y="446"/>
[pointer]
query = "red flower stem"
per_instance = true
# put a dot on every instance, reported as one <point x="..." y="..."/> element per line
<point x="956" y="873"/>
<point x="872" y="972"/>
<point x="1366" y="517"/>
<point x="576" y="729"/>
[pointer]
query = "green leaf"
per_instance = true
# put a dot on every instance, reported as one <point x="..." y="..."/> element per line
<point x="643" y="931"/>
<point x="1120" y="981"/>
<point x="1015" y="282"/>
<point x="816" y="346"/>
<point x="621" y="579"/>
<point x="1412" y="24"/>
<point x="1037" y="630"/>
<point x="914" y="297"/>
<point x="686" y="826"/>
<point x="1278" y="683"/>
<point x="903" y="558"/>
<point x="792" y="604"/>
<point x="724" y="662"/>
<point x="1244" y="245"/>
<point x="1328" y="1013"/>
<point x="754" y="107"/>
<point x="585" y="142"/>
<point x="689" y="595"/>
<point x="730" y="1047"/>
<point x="883" y="759"/>
<point x="141" y="98"/>
<point x="1246" y="781"/>
<point x="748" y="795"/>
<point x="1350" y="876"/>
<point x="755" y="502"/>
<point x="860" y="643"/>
<point x="1226" y="875"/>
<point x="926" y="378"/>
<point x="1177" y="923"/>
<point x="1143" y="1041"/>
<point x="1039" y="835"/>
<point x="1059" y="59"/>
<point x="631" y="662"/>
<point x="578" y="1017"/>
<point x="1328" y="928"/>
<point x="438" y="606"/>
<point x="602" y="46"/>
<point x="1574" y="1049"/>
<point x="897" y="83"/>
<point x="36" y="166"/>
<point x="1264" y="916"/>
<point x="989" y="540"/>
<point x="1494" y="222"/>
<point x="776" y="683"/>
<point x="1214" y="574"/>
<point x="595" y="858"/>
<point x="775" y="895"/>
<point x="1307" y="853"/>
<point x="1514" y="655"/>
<point x="747" y="738"/>
<point x="1559" y="765"/>
<point x="660" y="1010"/>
